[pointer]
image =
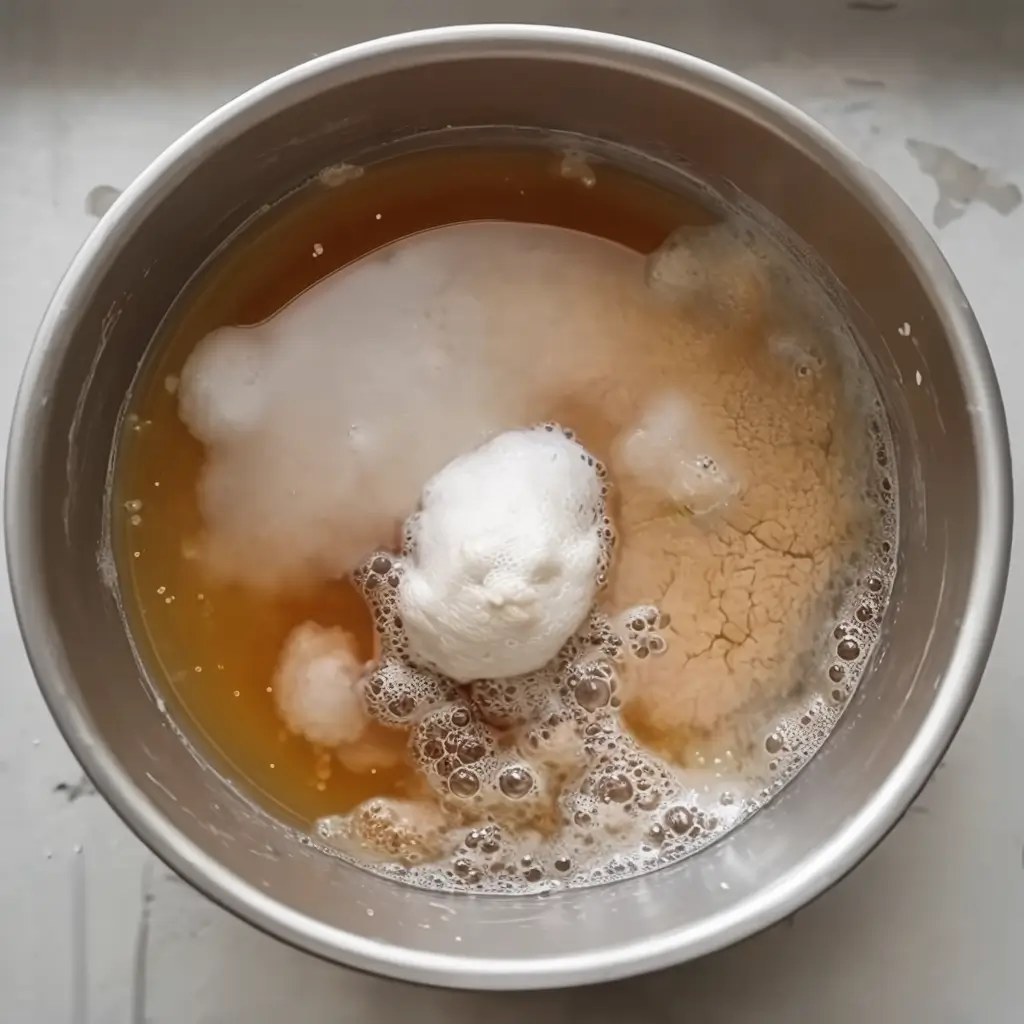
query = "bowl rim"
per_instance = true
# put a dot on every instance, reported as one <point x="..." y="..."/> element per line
<point x="809" y="878"/>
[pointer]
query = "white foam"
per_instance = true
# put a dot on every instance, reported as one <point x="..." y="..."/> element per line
<point x="222" y="387"/>
<point x="407" y="831"/>
<point x="711" y="266"/>
<point x="339" y="408"/>
<point x="667" y="450"/>
<point x="316" y="685"/>
<point x="504" y="557"/>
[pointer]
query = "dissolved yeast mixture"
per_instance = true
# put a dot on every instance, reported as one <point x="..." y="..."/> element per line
<point x="547" y="559"/>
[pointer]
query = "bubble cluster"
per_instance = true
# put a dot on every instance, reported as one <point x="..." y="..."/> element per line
<point x="405" y="831"/>
<point x="641" y="628"/>
<point x="671" y="449"/>
<point x="395" y="693"/>
<point x="378" y="579"/>
<point x="449" y="739"/>
<point x="533" y="781"/>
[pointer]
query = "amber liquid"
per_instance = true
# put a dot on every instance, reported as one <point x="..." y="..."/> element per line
<point x="215" y="645"/>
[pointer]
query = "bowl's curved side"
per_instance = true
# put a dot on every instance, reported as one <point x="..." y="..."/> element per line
<point x="28" y="471"/>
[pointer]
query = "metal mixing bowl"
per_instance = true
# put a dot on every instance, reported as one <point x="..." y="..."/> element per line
<point x="952" y="451"/>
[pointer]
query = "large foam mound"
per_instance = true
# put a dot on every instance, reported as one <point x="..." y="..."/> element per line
<point x="504" y="556"/>
<point x="323" y="423"/>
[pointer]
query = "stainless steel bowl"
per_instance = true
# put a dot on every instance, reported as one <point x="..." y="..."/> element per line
<point x="953" y="461"/>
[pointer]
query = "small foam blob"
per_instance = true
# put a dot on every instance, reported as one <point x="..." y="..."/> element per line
<point x="667" y="450"/>
<point x="407" y="831"/>
<point x="223" y="387"/>
<point x="576" y="167"/>
<point x="711" y="267"/>
<point x="503" y="556"/>
<point x="317" y="685"/>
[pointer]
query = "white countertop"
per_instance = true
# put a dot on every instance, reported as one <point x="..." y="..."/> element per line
<point x="929" y="928"/>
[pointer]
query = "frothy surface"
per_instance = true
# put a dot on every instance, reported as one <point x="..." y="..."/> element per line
<point x="748" y="521"/>
<point x="669" y="452"/>
<point x="503" y="556"/>
<point x="339" y="408"/>
<point x="523" y="779"/>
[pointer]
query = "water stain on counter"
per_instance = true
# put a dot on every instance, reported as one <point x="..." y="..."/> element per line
<point x="962" y="183"/>
<point x="100" y="199"/>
